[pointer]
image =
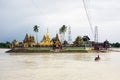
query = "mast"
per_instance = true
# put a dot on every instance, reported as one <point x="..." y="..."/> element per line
<point x="69" y="35"/>
<point x="96" y="34"/>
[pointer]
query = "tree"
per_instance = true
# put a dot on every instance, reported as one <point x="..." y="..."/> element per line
<point x="117" y="44"/>
<point x="106" y="44"/>
<point x="36" y="30"/>
<point x="15" y="43"/>
<point x="5" y="45"/>
<point x="78" y="41"/>
<point x="62" y="31"/>
<point x="65" y="43"/>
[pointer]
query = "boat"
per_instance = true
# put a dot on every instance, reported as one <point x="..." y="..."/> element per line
<point x="97" y="58"/>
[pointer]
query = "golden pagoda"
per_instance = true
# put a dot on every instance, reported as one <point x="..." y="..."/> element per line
<point x="29" y="41"/>
<point x="46" y="40"/>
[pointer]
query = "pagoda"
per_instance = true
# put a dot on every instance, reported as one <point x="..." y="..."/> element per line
<point x="56" y="43"/>
<point x="29" y="41"/>
<point x="46" y="40"/>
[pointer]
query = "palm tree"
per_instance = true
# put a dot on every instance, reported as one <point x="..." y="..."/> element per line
<point x="35" y="29"/>
<point x="62" y="31"/>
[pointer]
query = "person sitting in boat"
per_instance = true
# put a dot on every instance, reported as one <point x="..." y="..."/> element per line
<point x="97" y="58"/>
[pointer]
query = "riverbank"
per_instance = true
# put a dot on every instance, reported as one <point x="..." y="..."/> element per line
<point x="50" y="50"/>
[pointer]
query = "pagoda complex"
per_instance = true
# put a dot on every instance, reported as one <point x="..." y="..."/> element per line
<point x="29" y="41"/>
<point x="46" y="40"/>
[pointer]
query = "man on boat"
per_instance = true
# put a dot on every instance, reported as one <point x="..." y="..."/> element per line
<point x="97" y="58"/>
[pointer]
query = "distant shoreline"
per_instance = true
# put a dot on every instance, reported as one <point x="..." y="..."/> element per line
<point x="4" y="48"/>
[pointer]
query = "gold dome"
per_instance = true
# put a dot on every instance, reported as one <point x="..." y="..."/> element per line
<point x="46" y="40"/>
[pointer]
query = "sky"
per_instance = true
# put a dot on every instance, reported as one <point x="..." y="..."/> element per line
<point x="18" y="17"/>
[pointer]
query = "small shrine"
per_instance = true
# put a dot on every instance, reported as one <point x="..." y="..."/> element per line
<point x="29" y="41"/>
<point x="46" y="40"/>
<point x="15" y="43"/>
<point x="56" y="43"/>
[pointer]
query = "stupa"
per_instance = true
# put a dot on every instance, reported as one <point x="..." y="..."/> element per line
<point x="46" y="40"/>
<point x="56" y="43"/>
<point x="29" y="41"/>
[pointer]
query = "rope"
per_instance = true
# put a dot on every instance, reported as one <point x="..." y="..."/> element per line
<point x="88" y="18"/>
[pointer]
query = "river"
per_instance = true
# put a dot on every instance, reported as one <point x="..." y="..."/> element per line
<point x="62" y="66"/>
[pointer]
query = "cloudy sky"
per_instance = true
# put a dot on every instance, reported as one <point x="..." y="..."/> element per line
<point x="17" y="17"/>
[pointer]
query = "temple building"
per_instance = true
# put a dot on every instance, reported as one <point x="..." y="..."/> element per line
<point x="46" y="40"/>
<point x="29" y="41"/>
<point x="56" y="43"/>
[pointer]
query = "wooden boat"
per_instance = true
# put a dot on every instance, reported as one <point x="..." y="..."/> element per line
<point x="97" y="58"/>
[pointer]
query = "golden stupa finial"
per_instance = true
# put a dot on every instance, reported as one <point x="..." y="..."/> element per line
<point x="47" y="29"/>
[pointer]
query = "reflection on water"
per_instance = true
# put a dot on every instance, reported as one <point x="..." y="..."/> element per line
<point x="60" y="66"/>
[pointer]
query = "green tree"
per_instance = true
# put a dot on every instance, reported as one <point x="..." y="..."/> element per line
<point x="15" y="42"/>
<point x="36" y="30"/>
<point x="78" y="41"/>
<point x="62" y="31"/>
<point x="5" y="45"/>
<point x="117" y="44"/>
